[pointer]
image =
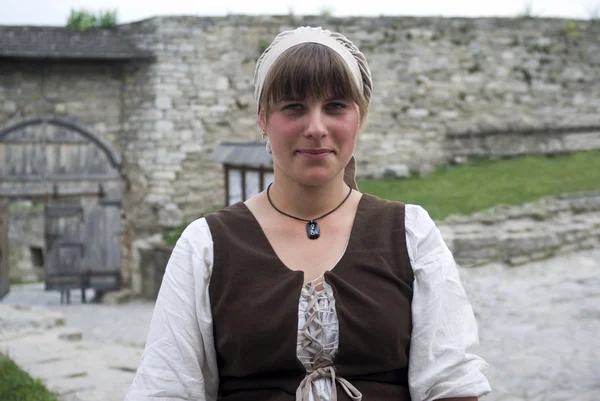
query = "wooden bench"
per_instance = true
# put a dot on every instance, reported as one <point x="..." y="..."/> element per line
<point x="65" y="282"/>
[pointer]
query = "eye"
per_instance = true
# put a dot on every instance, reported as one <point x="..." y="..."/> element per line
<point x="337" y="105"/>
<point x="292" y="107"/>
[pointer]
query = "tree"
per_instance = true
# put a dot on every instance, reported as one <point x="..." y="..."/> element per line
<point x="83" y="20"/>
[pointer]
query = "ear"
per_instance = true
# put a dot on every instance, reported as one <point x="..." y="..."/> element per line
<point x="260" y="121"/>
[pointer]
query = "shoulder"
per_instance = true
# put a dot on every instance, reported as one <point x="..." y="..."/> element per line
<point x="422" y="235"/>
<point x="415" y="215"/>
<point x="417" y="220"/>
<point x="229" y="216"/>
<point x="196" y="230"/>
<point x="196" y="237"/>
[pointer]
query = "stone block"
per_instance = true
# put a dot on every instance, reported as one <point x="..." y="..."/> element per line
<point x="526" y="244"/>
<point x="117" y="297"/>
<point x="582" y="141"/>
<point x="60" y="108"/>
<point x="395" y="171"/>
<point x="163" y="102"/>
<point x="9" y="106"/>
<point x="417" y="113"/>
<point x="164" y="126"/>
<point x="70" y="334"/>
<point x="222" y="84"/>
<point x="477" y="249"/>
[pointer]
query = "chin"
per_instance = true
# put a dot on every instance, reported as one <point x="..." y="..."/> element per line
<point x="315" y="180"/>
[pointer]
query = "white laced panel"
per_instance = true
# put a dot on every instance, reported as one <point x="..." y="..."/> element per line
<point x="318" y="338"/>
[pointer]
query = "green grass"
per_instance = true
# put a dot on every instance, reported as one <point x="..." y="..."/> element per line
<point x="16" y="385"/>
<point x="480" y="185"/>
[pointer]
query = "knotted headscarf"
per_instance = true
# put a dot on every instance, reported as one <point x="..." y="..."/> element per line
<point x="352" y="56"/>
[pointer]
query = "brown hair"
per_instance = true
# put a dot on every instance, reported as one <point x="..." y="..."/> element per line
<point x="310" y="70"/>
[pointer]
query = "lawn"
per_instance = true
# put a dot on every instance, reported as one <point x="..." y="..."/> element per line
<point x="480" y="185"/>
<point x="483" y="184"/>
<point x="16" y="385"/>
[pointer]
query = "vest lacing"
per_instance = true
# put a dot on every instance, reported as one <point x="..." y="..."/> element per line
<point x="318" y="356"/>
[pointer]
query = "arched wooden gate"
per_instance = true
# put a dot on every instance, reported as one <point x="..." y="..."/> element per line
<point x="76" y="174"/>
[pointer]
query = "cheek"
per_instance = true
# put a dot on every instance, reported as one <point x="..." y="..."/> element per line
<point x="348" y="129"/>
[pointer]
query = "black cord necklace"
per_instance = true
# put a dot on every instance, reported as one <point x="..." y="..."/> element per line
<point x="312" y="227"/>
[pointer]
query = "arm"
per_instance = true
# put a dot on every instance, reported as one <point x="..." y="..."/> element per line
<point x="179" y="361"/>
<point x="442" y="363"/>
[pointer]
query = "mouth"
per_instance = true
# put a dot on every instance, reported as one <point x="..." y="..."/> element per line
<point x="315" y="154"/>
<point x="315" y="151"/>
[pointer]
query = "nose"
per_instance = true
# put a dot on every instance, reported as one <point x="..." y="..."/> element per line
<point x="316" y="125"/>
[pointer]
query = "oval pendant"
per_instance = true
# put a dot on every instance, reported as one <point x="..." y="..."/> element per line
<point x="312" y="230"/>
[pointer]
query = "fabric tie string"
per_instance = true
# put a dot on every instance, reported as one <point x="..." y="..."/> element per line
<point x="306" y="386"/>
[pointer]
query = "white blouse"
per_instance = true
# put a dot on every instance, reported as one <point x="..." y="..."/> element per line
<point x="180" y="363"/>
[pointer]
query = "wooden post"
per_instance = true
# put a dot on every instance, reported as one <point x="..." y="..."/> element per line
<point x="243" y="173"/>
<point x="4" y="276"/>
<point x="261" y="179"/>
<point x="226" y="169"/>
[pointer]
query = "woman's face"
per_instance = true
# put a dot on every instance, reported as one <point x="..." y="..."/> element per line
<point x="312" y="140"/>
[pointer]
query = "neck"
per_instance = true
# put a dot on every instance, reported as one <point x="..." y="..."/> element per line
<point x="307" y="202"/>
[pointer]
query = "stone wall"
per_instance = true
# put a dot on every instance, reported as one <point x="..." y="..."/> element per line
<point x="88" y="94"/>
<point x="445" y="89"/>
<point x="26" y="241"/>
<point x="519" y="234"/>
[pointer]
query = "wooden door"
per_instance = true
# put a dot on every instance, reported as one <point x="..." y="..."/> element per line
<point x="4" y="277"/>
<point x="64" y="245"/>
<point x="57" y="159"/>
<point x="102" y="242"/>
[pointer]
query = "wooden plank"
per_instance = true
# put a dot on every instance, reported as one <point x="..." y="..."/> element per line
<point x="62" y="233"/>
<point x="20" y="189"/>
<point x="4" y="276"/>
<point x="59" y="134"/>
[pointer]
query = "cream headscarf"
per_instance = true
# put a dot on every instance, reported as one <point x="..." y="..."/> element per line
<point x="340" y="44"/>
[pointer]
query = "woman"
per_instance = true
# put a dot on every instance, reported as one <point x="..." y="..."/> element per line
<point x="311" y="290"/>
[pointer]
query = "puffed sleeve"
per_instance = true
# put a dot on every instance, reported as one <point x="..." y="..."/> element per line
<point x="179" y="360"/>
<point x="442" y="361"/>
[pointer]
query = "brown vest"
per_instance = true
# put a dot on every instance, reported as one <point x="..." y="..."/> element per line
<point x="254" y="299"/>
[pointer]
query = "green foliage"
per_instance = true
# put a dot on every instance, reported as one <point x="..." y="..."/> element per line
<point x="107" y="19"/>
<point x="84" y="20"/>
<point x="16" y="385"/>
<point x="263" y="44"/>
<point x="23" y="207"/>
<point x="170" y="237"/>
<point x="570" y="30"/>
<point x="480" y="185"/>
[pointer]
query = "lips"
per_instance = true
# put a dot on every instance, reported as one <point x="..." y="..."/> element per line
<point x="315" y="154"/>
<point x="315" y="151"/>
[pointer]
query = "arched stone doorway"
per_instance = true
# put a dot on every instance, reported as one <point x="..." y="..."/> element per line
<point x="75" y="174"/>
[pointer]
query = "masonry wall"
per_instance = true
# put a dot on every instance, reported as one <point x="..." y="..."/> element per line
<point x="440" y="86"/>
<point x="445" y="90"/>
<point x="26" y="241"/>
<point x="88" y="94"/>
